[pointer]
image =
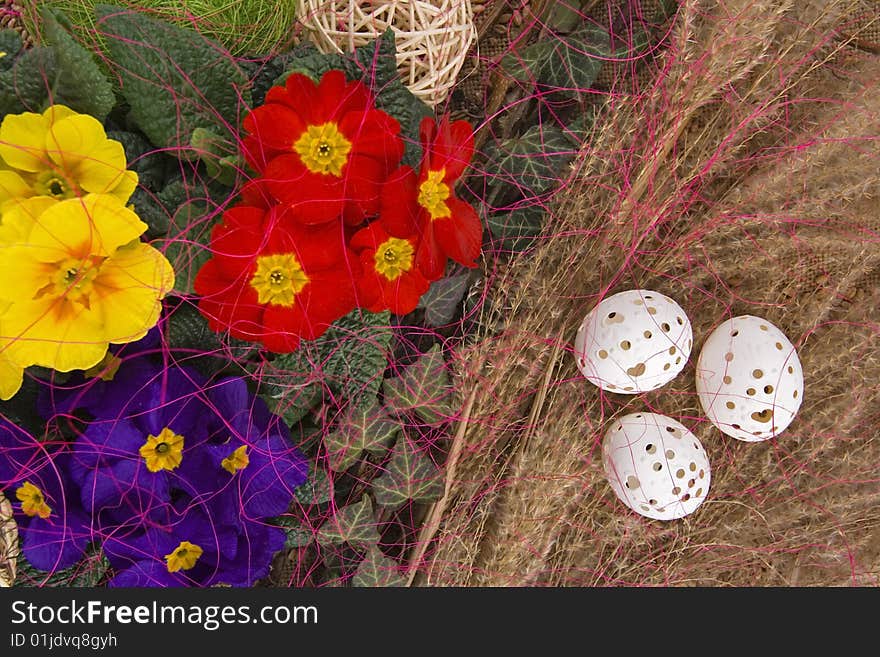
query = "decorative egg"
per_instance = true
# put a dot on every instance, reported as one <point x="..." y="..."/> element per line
<point x="655" y="465"/>
<point x="749" y="379"/>
<point x="633" y="341"/>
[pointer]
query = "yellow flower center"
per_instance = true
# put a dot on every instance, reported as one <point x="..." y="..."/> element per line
<point x="72" y="278"/>
<point x="433" y="193"/>
<point x="106" y="369"/>
<point x="183" y="557"/>
<point x="162" y="452"/>
<point x="278" y="279"/>
<point x="236" y="461"/>
<point x="33" y="503"/>
<point x="323" y="149"/>
<point x="393" y="257"/>
<point x="51" y="183"/>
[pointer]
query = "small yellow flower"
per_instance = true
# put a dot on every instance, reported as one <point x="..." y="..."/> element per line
<point x="183" y="557"/>
<point x="60" y="154"/>
<point x="323" y="149"/>
<point x="433" y="193"/>
<point x="236" y="461"/>
<point x="278" y="279"/>
<point x="163" y="452"/>
<point x="83" y="280"/>
<point x="33" y="502"/>
<point x="394" y="257"/>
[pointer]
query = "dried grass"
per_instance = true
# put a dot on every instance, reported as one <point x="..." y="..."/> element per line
<point x="743" y="180"/>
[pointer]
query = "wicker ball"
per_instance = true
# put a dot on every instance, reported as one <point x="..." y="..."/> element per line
<point x="433" y="36"/>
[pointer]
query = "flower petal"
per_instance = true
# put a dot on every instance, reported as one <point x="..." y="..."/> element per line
<point x="23" y="141"/>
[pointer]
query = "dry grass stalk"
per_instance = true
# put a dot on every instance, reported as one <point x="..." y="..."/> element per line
<point x="8" y="544"/>
<point x="744" y="180"/>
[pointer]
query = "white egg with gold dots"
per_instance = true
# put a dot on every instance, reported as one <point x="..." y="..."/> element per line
<point x="633" y="341"/>
<point x="655" y="465"/>
<point x="749" y="379"/>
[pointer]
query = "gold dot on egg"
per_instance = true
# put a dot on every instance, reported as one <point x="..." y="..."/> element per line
<point x="666" y="366"/>
<point x="750" y="392"/>
<point x="764" y="327"/>
<point x="652" y="310"/>
<point x="728" y="356"/>
<point x="603" y="353"/>
<point x="672" y="351"/>
<point x="779" y="346"/>
<point x="647" y="334"/>
<point x="679" y="473"/>
<point x="795" y="394"/>
<point x="757" y="374"/>
<point x="731" y="405"/>
<point x="625" y="345"/>
<point x="670" y="454"/>
<point x="727" y="380"/>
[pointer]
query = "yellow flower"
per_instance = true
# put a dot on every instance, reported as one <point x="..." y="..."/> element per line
<point x="236" y="461"/>
<point x="33" y="502"/>
<point x="78" y="279"/>
<point x="183" y="557"/>
<point x="60" y="154"/>
<point x="163" y="452"/>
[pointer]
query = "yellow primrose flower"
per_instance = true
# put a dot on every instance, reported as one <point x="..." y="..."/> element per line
<point x="79" y="279"/>
<point x="60" y="154"/>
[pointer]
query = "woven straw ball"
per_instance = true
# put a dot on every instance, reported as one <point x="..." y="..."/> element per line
<point x="433" y="36"/>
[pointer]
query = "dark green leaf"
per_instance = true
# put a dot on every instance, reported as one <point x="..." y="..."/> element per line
<point x="86" y="573"/>
<point x="174" y="79"/>
<point x="517" y="229"/>
<point x="298" y="534"/>
<point x="219" y="155"/>
<point x="411" y="475"/>
<point x="377" y="570"/>
<point x="80" y="84"/>
<point x="187" y="243"/>
<point x="349" y="359"/>
<point x="318" y="489"/>
<point x="25" y="87"/>
<point x="365" y="427"/>
<point x="441" y="301"/>
<point x="353" y="524"/>
<point x="10" y="44"/>
<point x="143" y="159"/>
<point x="424" y="387"/>
<point x="533" y="162"/>
<point x="569" y="63"/>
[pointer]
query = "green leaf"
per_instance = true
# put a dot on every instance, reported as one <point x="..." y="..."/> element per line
<point x="10" y="45"/>
<point x="349" y="359"/>
<point x="297" y="534"/>
<point x="518" y="228"/>
<point x="186" y="333"/>
<point x="80" y="84"/>
<point x="174" y="79"/>
<point x="219" y="155"/>
<point x="318" y="489"/>
<point x="424" y="387"/>
<point x="187" y="242"/>
<point x="363" y="428"/>
<point x="352" y="524"/>
<point x="441" y="301"/>
<point x="569" y="63"/>
<point x="411" y="475"/>
<point x="532" y="163"/>
<point x="25" y="86"/>
<point x="377" y="570"/>
<point x="143" y="159"/>
<point x="86" y="573"/>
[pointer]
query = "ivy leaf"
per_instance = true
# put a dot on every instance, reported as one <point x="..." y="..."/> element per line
<point x="363" y="428"/>
<point x="442" y="298"/>
<point x="570" y="63"/>
<point x="411" y="475"/>
<point x="79" y="84"/>
<point x="318" y="489"/>
<point x="353" y="524"/>
<point x="86" y="573"/>
<point x="297" y="534"/>
<point x="349" y="359"/>
<point x="517" y="229"/>
<point x="174" y="79"/>
<point x="424" y="387"/>
<point x="377" y="570"/>
<point x="532" y="162"/>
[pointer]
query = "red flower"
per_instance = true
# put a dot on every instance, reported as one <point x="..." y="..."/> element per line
<point x="390" y="279"/>
<point x="426" y="204"/>
<point x="323" y="146"/>
<point x="274" y="281"/>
